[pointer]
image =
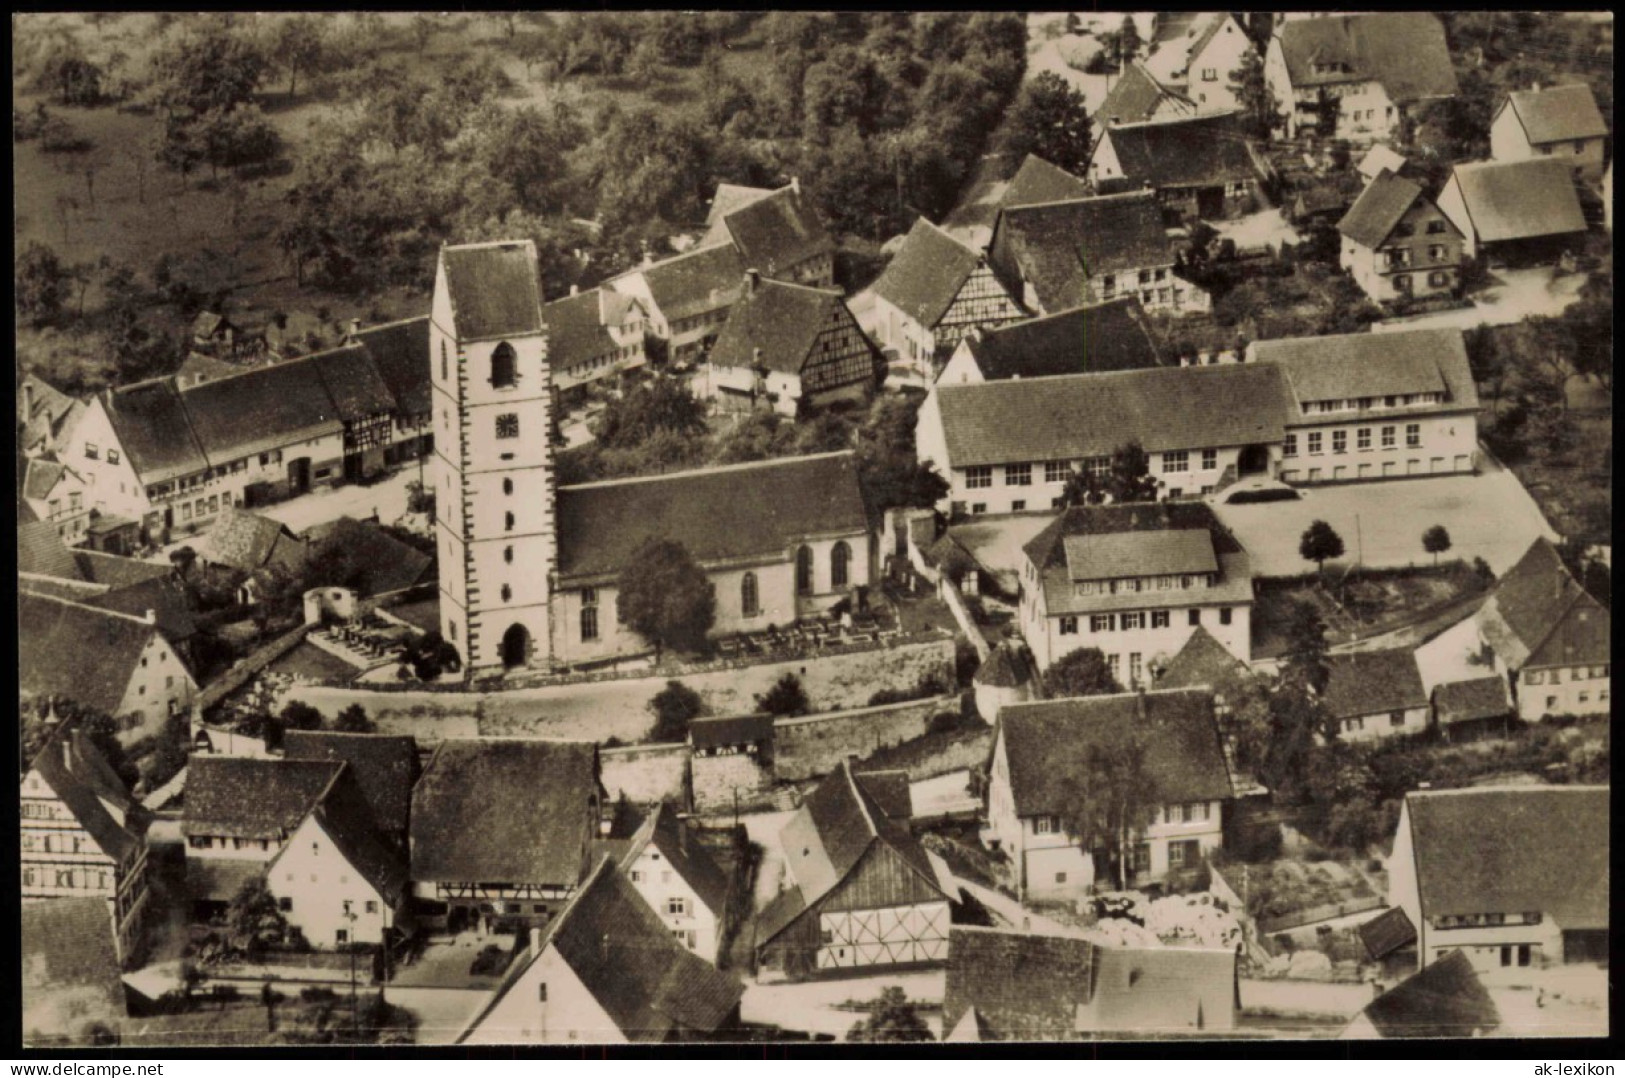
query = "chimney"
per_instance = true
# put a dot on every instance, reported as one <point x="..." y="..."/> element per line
<point x="152" y="617"/>
<point x="67" y="749"/>
<point x="355" y="331"/>
<point x="752" y="279"/>
<point x="535" y="940"/>
<point x="575" y="289"/>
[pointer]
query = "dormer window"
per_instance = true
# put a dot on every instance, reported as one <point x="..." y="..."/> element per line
<point x="504" y="366"/>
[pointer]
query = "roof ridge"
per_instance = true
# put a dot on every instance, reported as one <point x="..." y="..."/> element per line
<point x="482" y="244"/>
<point x="710" y="469"/>
<point x="949" y="236"/>
<point x="1013" y="385"/>
<point x="1205" y="117"/>
<point x="86" y="606"/>
<point x="834" y="293"/>
<point x="857" y="794"/>
<point x="1121" y="196"/>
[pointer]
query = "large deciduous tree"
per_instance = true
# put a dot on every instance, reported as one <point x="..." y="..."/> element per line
<point x="665" y="597"/>
<point x="1112" y="801"/>
<point x="1083" y="672"/>
<point x="43" y="283"/>
<point x="1261" y="116"/>
<point x="253" y="921"/>
<point x="664" y="404"/>
<point x="674" y="707"/>
<point x="1436" y="540"/>
<point x="298" y="47"/>
<point x="1049" y="120"/>
<point x="1128" y="478"/>
<point x="1320" y="544"/>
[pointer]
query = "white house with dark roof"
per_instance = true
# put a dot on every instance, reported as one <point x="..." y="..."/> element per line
<point x="1199" y="166"/>
<point x="54" y="492"/>
<point x="1561" y="122"/>
<point x="607" y="971"/>
<point x="934" y="290"/>
<point x="680" y="880"/>
<point x="687" y="296"/>
<point x="593" y="336"/>
<point x="1511" y="876"/>
<point x="46" y="416"/>
<point x="83" y="836"/>
<point x="1376" y="67"/>
<point x="776" y="232"/>
<point x="1136" y="581"/>
<point x="1196" y="54"/>
<point x="1040" y="757"/>
<point x="1108" y="336"/>
<point x="1376" y="694"/>
<point x="1139" y="96"/>
<point x="1515" y="211"/>
<point x="385" y="766"/>
<point x="1397" y="244"/>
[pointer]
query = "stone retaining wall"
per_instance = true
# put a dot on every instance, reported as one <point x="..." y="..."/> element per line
<point x="809" y="747"/>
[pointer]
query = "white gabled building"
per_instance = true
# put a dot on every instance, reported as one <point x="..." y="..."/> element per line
<point x="680" y="881"/>
<point x="1561" y="122"/>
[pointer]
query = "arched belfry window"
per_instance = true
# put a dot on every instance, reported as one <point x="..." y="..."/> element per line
<point x="750" y="600"/>
<point x="840" y="557"/>
<point x="504" y="366"/>
<point x="804" y="571"/>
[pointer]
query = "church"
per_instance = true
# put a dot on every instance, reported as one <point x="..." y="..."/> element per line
<point x="528" y="570"/>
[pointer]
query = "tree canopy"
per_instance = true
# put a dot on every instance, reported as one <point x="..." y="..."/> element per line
<point x="1049" y="120"/>
<point x="665" y="597"/>
<point x="891" y="1018"/>
<point x="673" y="708"/>
<point x="1113" y="801"/>
<point x="1083" y="672"/>
<point x="1320" y="544"/>
<point x="1127" y="478"/>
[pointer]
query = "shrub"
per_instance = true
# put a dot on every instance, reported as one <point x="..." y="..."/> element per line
<point x="966" y="662"/>
<point x="316" y="993"/>
<point x="943" y="722"/>
<point x="489" y="962"/>
<point x="1252" y="497"/>
<point x="673" y="708"/>
<point x="786" y="697"/>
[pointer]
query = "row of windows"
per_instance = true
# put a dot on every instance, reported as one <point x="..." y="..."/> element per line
<point x="76" y="879"/>
<point x="93" y="453"/>
<point x="1487" y="920"/>
<point x="1362" y="440"/>
<point x="1405" y="229"/>
<point x="1132" y="585"/>
<point x="209" y="842"/>
<point x="1360" y="404"/>
<point x="1135" y="619"/>
<point x="1436" y="279"/>
<point x="1583" y="698"/>
<point x="1357" y="724"/>
<point x="1576" y="673"/>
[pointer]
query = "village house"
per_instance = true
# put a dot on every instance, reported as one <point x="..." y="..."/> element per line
<point x="46" y="416"/>
<point x="385" y="767"/>
<point x="788" y="347"/>
<point x="1478" y="707"/>
<point x="1109" y="336"/>
<point x="1059" y="255"/>
<point x="1375" y="405"/>
<point x="1515" y="212"/>
<point x="304" y="828"/>
<point x="1139" y="97"/>
<point x="687" y="297"/>
<point x="934" y="290"/>
<point x="999" y="183"/>
<point x="1135" y="581"/>
<point x="1204" y="663"/>
<point x="1040" y="757"/>
<point x="1004" y="985"/>
<point x="55" y="493"/>
<point x="1377" y="68"/>
<point x="777" y="232"/>
<point x="1202" y="166"/>
<point x="1397" y="244"/>
<point x="593" y="336"/>
<point x="117" y="663"/>
<point x="1201" y="61"/>
<point x="1511" y="876"/>
<point x="1376" y="694"/>
<point x="1444" y="1000"/>
<point x="1548" y="637"/>
<point x="1561" y="122"/>
<point x="862" y="893"/>
<point x="1011" y="445"/>
<point x="72" y="990"/>
<point x="607" y="972"/>
<point x="84" y="837"/>
<point x="500" y="831"/>
<point x="680" y="880"/>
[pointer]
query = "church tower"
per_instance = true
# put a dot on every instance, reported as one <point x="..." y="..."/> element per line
<point x="494" y="505"/>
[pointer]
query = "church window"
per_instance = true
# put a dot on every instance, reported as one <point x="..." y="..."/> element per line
<point x="750" y="601"/>
<point x="507" y="554"/>
<point x="840" y="557"/>
<point x="507" y="521"/>
<point x="589" y="614"/>
<point x="507" y="486"/>
<point x="804" y="571"/>
<point x="445" y="368"/>
<point x="508" y="425"/>
<point x="504" y="366"/>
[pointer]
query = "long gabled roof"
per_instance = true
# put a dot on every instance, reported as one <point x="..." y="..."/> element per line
<point x="155" y="430"/>
<point x="77" y="651"/>
<point x="1057" y="246"/>
<point x="1405" y="51"/>
<point x="745" y="511"/>
<point x="695" y="282"/>
<point x="164" y="595"/>
<point x="1022" y="985"/>
<point x="1446" y="999"/>
<point x="778" y="232"/>
<point x="1167" y="990"/>
<point x="247" y="541"/>
<point x="495" y="289"/>
<point x="1039" y="181"/>
<point x="1195" y="151"/>
<point x="648" y="984"/>
<point x="1354" y="365"/>
<point x="1136" y="95"/>
<point x="400" y="351"/>
<point x="1513" y="849"/>
<point x="251" y="797"/>
<point x="353" y="382"/>
<point x="87" y="786"/>
<point x="504" y="809"/>
<point x="1557" y="113"/>
<point x="1516" y="200"/>
<point x="1110" y="336"/>
<point x="261" y="408"/>
<point x="384" y="766"/>
<point x="1368" y="682"/>
<point x="576" y="332"/>
<point x="926" y="273"/>
<point x="782" y="320"/>
<point x="1537" y="615"/>
<point x="1385" y="200"/>
<point x="1073" y="417"/>
<point x="688" y="857"/>
<point x="70" y="965"/>
<point x="1047" y="745"/>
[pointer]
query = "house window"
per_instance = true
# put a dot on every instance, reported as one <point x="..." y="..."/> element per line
<point x="1340" y="441"/>
<point x="1133" y="620"/>
<point x="1398" y="258"/>
<point x="1098" y="467"/>
<point x="1069" y="624"/>
<point x="1159" y="619"/>
<point x="1289" y="446"/>
<point x="979" y="477"/>
<point x="977" y="508"/>
<point x="1176" y="461"/>
<point x="1388" y="434"/>
<point x="342" y="935"/>
<point x="112" y="456"/>
<point x="750" y="603"/>
<point x="1184" y="854"/>
<point x="1404" y="230"/>
<point x="1436" y="252"/>
<point x="1195" y="618"/>
<point x="507" y="521"/>
<point x="1224" y="615"/>
<point x="1108" y="285"/>
<point x="1314" y="443"/>
<point x="1402" y="283"/>
<point x="1018" y="475"/>
<point x="508" y="425"/>
<point x="676" y="905"/>
<point x="1435" y="228"/>
<point x="1018" y="505"/>
<point x="1099" y="623"/>
<point x="1044" y="825"/>
<point x="1413" y="435"/>
<point x="285" y="904"/>
<point x="1396" y="718"/>
<point x="1438" y="279"/>
<point x="1532" y="677"/>
<point x="504" y="366"/>
<point x="1140" y="858"/>
<point x="1210" y="459"/>
<point x="840" y="559"/>
<point x="90" y="451"/>
<point x="1134" y="667"/>
<point x="1056" y="471"/>
<point x="1362" y="439"/>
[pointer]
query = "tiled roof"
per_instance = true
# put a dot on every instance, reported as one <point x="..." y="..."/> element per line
<point x="1039" y="181"/>
<point x="753" y="510"/>
<point x="1405" y="51"/>
<point x="353" y="831"/>
<point x="692" y="283"/>
<point x="1047" y="746"/>
<point x="1111" y="555"/>
<point x="244" y="540"/>
<point x="1385" y="200"/>
<point x="705" y="733"/>
<point x="261" y="408"/>
<point x="1513" y="849"/>
<point x="648" y="984"/>
<point x="1073" y="417"/>
<point x="1467" y="701"/>
<point x="53" y="413"/>
<point x="1161" y="990"/>
<point x="81" y="652"/>
<point x="70" y="966"/>
<point x="389" y="564"/>
<point x="575" y="331"/>
<point x="505" y="809"/>
<point x="1203" y="661"/>
<point x="1058" y="246"/>
<point x="153" y="427"/>
<point x="1110" y="336"/>
<point x="1385" y="934"/>
<point x="385" y="767"/>
<point x="1444" y="1000"/>
<point x="889" y="790"/>
<point x="220" y="881"/>
<point x="83" y="787"/>
<point x="731" y="197"/>
<point x="688" y="857"/>
<point x="1355" y="365"/>
<point x="115" y="571"/>
<point x="197" y="367"/>
<point x="250" y="797"/>
<point x="400" y="352"/>
<point x="1135" y="97"/>
<point x="1006" y="668"/>
<point x="1537" y="615"/>
<point x="1369" y="682"/>
<point x="1515" y="200"/>
<point x="783" y="321"/>
<point x="495" y="289"/>
<point x="164" y="595"/>
<point x="41" y="475"/>
<point x="1022" y="986"/>
<point x="1558" y="113"/>
<point x="926" y="273"/>
<point x="776" y="233"/>
<point x="1198" y="151"/>
<point x="40" y="550"/>
<point x="352" y="381"/>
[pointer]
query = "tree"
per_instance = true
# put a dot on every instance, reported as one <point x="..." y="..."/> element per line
<point x="786" y="697"/>
<point x="42" y="283"/>
<point x="665" y="404"/>
<point x="1113" y="801"/>
<point x="664" y="596"/>
<point x="1296" y="716"/>
<point x="1485" y="359"/>
<point x="1436" y="540"/>
<point x="1083" y="672"/>
<point x="1260" y="115"/>
<point x="1320" y="544"/>
<point x="1128" y="41"/>
<point x="253" y="921"/>
<point x="1304" y="660"/>
<point x="210" y="68"/>
<point x="298" y="47"/>
<point x="354" y="720"/>
<point x="1049" y="120"/>
<point x="1127" y="478"/>
<point x="673" y="708"/>
<point x="892" y="1018"/>
<point x="300" y="716"/>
